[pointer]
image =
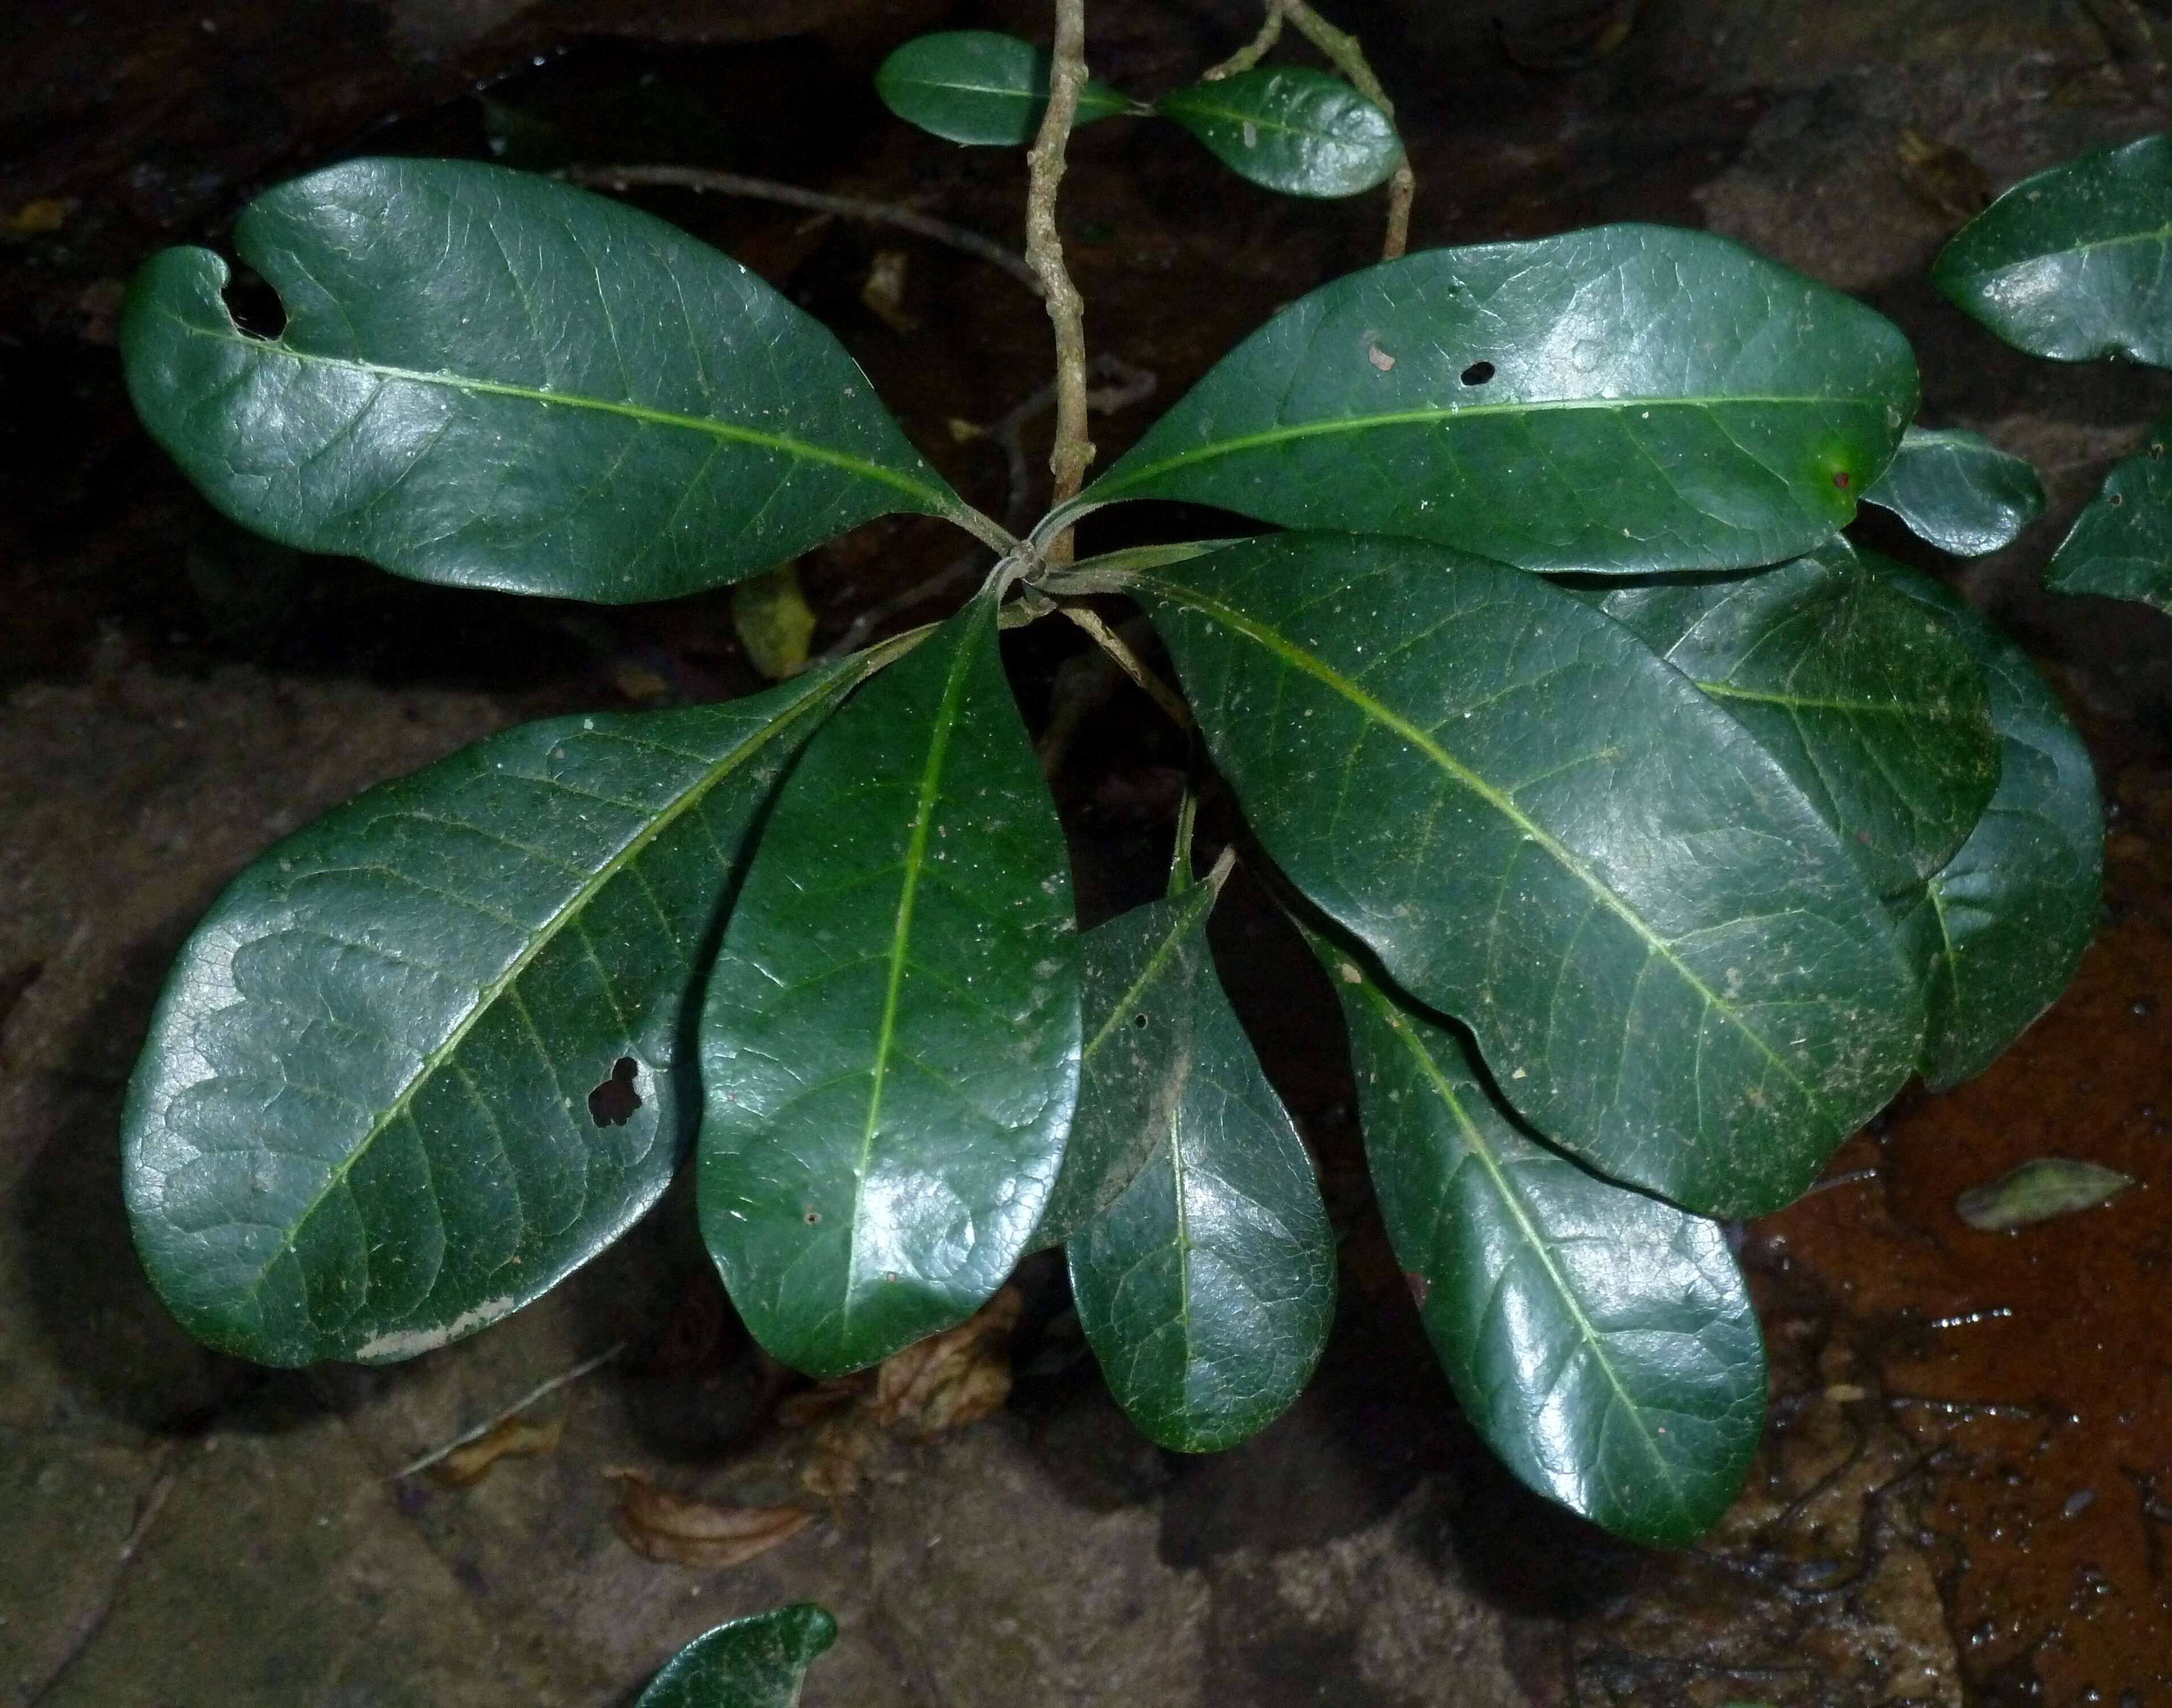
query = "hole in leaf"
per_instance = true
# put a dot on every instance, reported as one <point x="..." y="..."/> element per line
<point x="811" y="1217"/>
<point x="2114" y="499"/>
<point x="1478" y="374"/>
<point x="613" y="1101"/>
<point x="2157" y="451"/>
<point x="255" y="305"/>
<point x="1840" y="479"/>
<point x="1138" y="1019"/>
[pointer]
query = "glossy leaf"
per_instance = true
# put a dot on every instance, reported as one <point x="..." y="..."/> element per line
<point x="1672" y="965"/>
<point x="1959" y="490"/>
<point x="1998" y="931"/>
<point x="1628" y="399"/>
<point x="1877" y="711"/>
<point x="2075" y="262"/>
<point x="495" y="380"/>
<point x="1207" y="1287"/>
<point x="1602" y="1342"/>
<point x="979" y="86"/>
<point x="424" y="1058"/>
<point x="755" y="1663"/>
<point x="1290" y="128"/>
<point x="2120" y="545"/>
<point x="1137" y="979"/>
<point x="889" y="1047"/>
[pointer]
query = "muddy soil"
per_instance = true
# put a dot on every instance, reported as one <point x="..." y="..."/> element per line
<point x="1965" y="1496"/>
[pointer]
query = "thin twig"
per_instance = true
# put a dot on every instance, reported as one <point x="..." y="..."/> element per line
<point x="1253" y="52"/>
<point x="1112" y="643"/>
<point x="1044" y="250"/>
<point x="1344" y="53"/>
<point x="518" y="1406"/>
<point x="792" y="196"/>
<point x="957" y="570"/>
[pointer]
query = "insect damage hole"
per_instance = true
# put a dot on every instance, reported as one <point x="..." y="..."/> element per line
<point x="1478" y="374"/>
<point x="613" y="1101"/>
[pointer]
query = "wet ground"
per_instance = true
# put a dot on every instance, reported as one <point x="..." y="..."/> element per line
<point x="1966" y="1491"/>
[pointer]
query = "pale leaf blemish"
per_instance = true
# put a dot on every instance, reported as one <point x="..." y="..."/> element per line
<point x="410" y="1343"/>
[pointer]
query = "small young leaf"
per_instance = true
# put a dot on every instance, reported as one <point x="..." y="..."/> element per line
<point x="1997" y="932"/>
<point x="774" y="624"/>
<point x="2075" y="262"/>
<point x="2039" y="1191"/>
<point x="1290" y="128"/>
<point x="1138" y="976"/>
<point x="889" y="1046"/>
<point x="754" y="1663"/>
<point x="1959" y="490"/>
<point x="424" y="1058"/>
<point x="2120" y="545"/>
<point x="1569" y="403"/>
<point x="979" y="86"/>
<point x="1878" y="711"/>
<point x="1673" y="967"/>
<point x="1207" y="1287"/>
<point x="1602" y="1342"/>
<point x="494" y="380"/>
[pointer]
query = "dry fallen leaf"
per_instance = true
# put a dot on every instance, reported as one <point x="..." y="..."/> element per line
<point x="842" y="1446"/>
<point x="513" y="1438"/>
<point x="813" y="1404"/>
<point x="48" y="214"/>
<point x="1943" y="178"/>
<point x="2039" y="1191"/>
<point x="679" y="1530"/>
<point x="952" y="1379"/>
<point x="885" y="291"/>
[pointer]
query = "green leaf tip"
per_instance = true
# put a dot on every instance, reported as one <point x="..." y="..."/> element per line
<point x="760" y="1662"/>
<point x="1959" y="490"/>
<point x="491" y="379"/>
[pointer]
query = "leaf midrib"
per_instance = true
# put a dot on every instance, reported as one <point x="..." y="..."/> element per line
<point x="488" y="996"/>
<point x="1320" y="671"/>
<point x="915" y="862"/>
<point x="1181" y="928"/>
<point x="1475" y="1142"/>
<point x="642" y="413"/>
<point x="2160" y="234"/>
<point x="1198" y="110"/>
<point x="1117" y="480"/>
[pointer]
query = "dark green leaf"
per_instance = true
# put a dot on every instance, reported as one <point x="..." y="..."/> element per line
<point x="424" y="1058"/>
<point x="979" y="86"/>
<point x="1629" y="398"/>
<point x="1137" y="980"/>
<point x="2120" y="545"/>
<point x="890" y="1048"/>
<point x="1206" y="1288"/>
<point x="2039" y="1191"/>
<point x="1959" y="490"/>
<point x="2077" y="262"/>
<point x="1672" y="965"/>
<point x="1876" y="710"/>
<point x="1290" y="128"/>
<point x="756" y="1663"/>
<point x="1998" y="931"/>
<point x="495" y="380"/>
<point x="1602" y="1342"/>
